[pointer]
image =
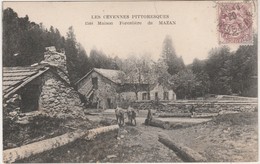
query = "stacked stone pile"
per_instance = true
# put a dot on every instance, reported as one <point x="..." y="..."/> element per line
<point x="201" y="107"/>
<point x="148" y="105"/>
<point x="211" y="108"/>
<point x="54" y="58"/>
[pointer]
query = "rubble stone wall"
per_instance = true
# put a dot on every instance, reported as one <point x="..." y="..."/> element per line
<point x="106" y="91"/>
<point x="12" y="105"/>
<point x="58" y="99"/>
<point x="199" y="107"/>
<point x="212" y="107"/>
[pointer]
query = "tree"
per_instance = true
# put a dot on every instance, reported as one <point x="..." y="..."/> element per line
<point x="197" y="66"/>
<point x="160" y="73"/>
<point x="217" y="67"/>
<point x="24" y="44"/>
<point x="78" y="63"/>
<point x="202" y="78"/>
<point x="71" y="54"/>
<point x="20" y="40"/>
<point x="184" y="84"/>
<point x="244" y="69"/>
<point x="99" y="59"/>
<point x="202" y="84"/>
<point x="174" y="63"/>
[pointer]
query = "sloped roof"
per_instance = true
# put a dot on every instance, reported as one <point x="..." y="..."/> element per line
<point x="113" y="75"/>
<point x="16" y="77"/>
<point x="110" y="74"/>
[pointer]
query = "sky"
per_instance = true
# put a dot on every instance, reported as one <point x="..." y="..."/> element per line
<point x="194" y="33"/>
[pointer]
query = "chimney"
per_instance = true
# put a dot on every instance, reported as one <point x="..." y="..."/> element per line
<point x="57" y="59"/>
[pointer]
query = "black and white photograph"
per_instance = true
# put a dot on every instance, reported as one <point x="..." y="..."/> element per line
<point x="129" y="81"/>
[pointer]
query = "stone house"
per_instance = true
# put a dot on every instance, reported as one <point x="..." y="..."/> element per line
<point x="106" y="88"/>
<point x="100" y="87"/>
<point x="41" y="87"/>
<point x="157" y="92"/>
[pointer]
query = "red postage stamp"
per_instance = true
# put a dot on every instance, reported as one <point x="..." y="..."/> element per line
<point x="235" y="21"/>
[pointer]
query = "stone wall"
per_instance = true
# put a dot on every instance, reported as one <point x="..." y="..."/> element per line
<point x="160" y="90"/>
<point x="12" y="105"/>
<point x="106" y="90"/>
<point x="128" y="96"/>
<point x="58" y="99"/>
<point x="200" y="107"/>
<point x="212" y="107"/>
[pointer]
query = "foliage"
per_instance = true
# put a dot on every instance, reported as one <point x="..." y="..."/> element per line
<point x="226" y="72"/>
<point x="244" y="70"/>
<point x="101" y="60"/>
<point x="184" y="84"/>
<point x="24" y="44"/>
<point x="160" y="73"/>
<point x="174" y="63"/>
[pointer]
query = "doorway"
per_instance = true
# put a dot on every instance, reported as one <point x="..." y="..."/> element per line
<point x="109" y="104"/>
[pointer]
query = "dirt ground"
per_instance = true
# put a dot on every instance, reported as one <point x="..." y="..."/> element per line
<point x="131" y="144"/>
<point x="40" y="128"/>
<point x="227" y="138"/>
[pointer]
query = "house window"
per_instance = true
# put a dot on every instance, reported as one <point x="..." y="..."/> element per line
<point x="156" y="96"/>
<point x="166" y="96"/>
<point x="95" y="82"/>
<point x="144" y="96"/>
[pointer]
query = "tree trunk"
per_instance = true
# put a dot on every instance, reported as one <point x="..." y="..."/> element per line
<point x="159" y="123"/>
<point x="185" y="153"/>
<point x="175" y="115"/>
<point x="205" y="115"/>
<point x="11" y="155"/>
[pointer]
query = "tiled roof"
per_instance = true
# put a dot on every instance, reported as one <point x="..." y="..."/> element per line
<point x="113" y="75"/>
<point x="16" y="77"/>
<point x="110" y="74"/>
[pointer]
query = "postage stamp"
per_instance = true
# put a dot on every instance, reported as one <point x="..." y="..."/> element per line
<point x="235" y="21"/>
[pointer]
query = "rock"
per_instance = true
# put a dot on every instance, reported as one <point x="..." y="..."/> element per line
<point x="111" y="156"/>
<point x="22" y="122"/>
<point x="53" y="90"/>
<point x="124" y="131"/>
<point x="45" y="96"/>
<point x="52" y="99"/>
<point x="225" y="131"/>
<point x="11" y="145"/>
<point x="14" y="113"/>
<point x="122" y="136"/>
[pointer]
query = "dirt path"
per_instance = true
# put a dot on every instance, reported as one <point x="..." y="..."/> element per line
<point x="145" y="139"/>
<point x="131" y="144"/>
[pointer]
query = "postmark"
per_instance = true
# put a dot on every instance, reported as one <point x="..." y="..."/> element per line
<point x="235" y="23"/>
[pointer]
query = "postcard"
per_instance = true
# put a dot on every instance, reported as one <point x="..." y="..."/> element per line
<point x="130" y="82"/>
